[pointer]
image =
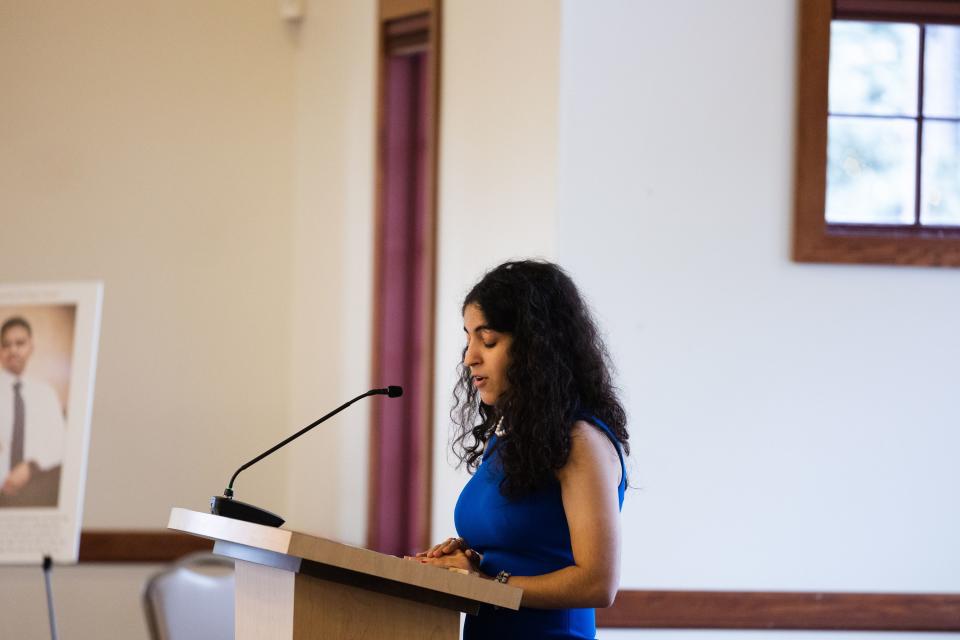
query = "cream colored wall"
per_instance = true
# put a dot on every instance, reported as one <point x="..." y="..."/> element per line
<point x="490" y="50"/>
<point x="151" y="145"/>
<point x="498" y="176"/>
<point x="92" y="602"/>
<point x="215" y="168"/>
<point x="332" y="266"/>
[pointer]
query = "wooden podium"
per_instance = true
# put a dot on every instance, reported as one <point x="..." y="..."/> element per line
<point x="293" y="586"/>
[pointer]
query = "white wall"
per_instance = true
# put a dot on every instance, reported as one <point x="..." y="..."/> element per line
<point x="794" y="426"/>
<point x="498" y="175"/>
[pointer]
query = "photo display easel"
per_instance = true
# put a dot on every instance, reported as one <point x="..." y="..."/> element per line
<point x="49" y="335"/>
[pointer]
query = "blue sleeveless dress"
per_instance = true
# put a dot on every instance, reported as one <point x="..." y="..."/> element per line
<point x="527" y="537"/>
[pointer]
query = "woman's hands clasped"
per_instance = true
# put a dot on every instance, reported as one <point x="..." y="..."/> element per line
<point x="453" y="553"/>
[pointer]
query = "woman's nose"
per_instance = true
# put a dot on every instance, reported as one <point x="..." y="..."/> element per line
<point x="470" y="356"/>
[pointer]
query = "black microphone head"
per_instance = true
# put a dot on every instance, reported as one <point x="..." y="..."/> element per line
<point x="394" y="391"/>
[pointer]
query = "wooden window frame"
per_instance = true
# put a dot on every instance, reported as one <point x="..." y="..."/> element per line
<point x="814" y="239"/>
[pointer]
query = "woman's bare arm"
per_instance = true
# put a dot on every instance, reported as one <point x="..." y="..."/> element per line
<point x="588" y="485"/>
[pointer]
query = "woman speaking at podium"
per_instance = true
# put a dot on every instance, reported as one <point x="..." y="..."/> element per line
<point x="543" y="433"/>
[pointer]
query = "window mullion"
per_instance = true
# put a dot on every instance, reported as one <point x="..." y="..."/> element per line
<point x="919" y="159"/>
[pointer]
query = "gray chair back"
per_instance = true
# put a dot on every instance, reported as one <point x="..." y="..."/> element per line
<point x="191" y="600"/>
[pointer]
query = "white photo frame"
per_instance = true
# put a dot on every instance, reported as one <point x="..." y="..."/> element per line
<point x="63" y="325"/>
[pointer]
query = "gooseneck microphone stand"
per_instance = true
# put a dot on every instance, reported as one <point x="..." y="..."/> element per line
<point x="226" y="506"/>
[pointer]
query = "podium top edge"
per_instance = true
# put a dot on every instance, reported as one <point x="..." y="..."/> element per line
<point x="344" y="556"/>
<point x="214" y="527"/>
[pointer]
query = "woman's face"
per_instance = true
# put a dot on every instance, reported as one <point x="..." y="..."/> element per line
<point x="487" y="355"/>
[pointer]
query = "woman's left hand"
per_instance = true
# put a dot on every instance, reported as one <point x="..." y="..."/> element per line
<point x="450" y="545"/>
<point x="468" y="560"/>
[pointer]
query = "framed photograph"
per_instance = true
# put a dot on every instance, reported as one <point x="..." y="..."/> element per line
<point x="49" y="334"/>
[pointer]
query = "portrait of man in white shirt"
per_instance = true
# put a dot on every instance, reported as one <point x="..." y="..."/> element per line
<point x="32" y="426"/>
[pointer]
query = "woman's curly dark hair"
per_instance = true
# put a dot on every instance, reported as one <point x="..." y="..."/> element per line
<point x="559" y="370"/>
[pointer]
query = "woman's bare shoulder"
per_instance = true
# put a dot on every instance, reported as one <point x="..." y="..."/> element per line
<point x="590" y="445"/>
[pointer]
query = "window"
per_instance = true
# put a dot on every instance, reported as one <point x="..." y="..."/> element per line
<point x="878" y="139"/>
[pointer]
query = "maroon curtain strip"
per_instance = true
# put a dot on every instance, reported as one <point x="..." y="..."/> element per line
<point x="419" y="366"/>
<point x="927" y="11"/>
<point x="401" y="474"/>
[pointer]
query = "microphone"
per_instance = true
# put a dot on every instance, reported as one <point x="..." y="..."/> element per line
<point x="391" y="391"/>
<point x="226" y="506"/>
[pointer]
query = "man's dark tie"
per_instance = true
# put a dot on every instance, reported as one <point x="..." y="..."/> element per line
<point x="16" y="445"/>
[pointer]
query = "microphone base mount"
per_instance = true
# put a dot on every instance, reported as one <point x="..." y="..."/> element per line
<point x="230" y="508"/>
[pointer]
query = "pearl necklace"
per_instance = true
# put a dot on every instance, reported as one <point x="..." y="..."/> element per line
<point x="498" y="428"/>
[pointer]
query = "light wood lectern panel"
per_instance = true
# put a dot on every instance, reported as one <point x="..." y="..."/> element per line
<point x="294" y="586"/>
